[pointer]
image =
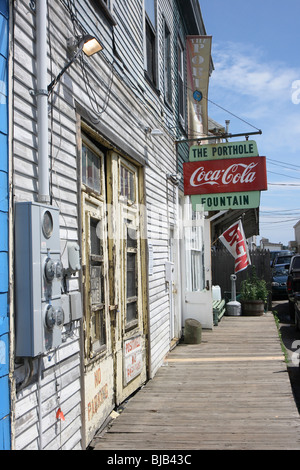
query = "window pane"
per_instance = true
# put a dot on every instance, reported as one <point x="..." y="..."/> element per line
<point x="98" y="335"/>
<point x="150" y="51"/>
<point x="127" y="180"/>
<point x="180" y="81"/>
<point x="131" y="275"/>
<point x="131" y="237"/>
<point x="195" y="275"/>
<point x="150" y="10"/>
<point x="83" y="164"/>
<point x="96" y="186"/>
<point x="96" y="279"/>
<point x="91" y="169"/>
<point x="167" y="58"/>
<point x="131" y="313"/>
<point x="95" y="237"/>
<point x="90" y="173"/>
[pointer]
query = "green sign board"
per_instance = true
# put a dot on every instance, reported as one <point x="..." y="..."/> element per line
<point x="247" y="148"/>
<point x="224" y="201"/>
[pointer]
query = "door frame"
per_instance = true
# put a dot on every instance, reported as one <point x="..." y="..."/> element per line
<point x="116" y="354"/>
<point x="134" y="336"/>
<point x="196" y="304"/>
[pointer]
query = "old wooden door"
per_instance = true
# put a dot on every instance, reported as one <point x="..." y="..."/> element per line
<point x="127" y="289"/>
<point x="114" y="317"/>
<point x="99" y="396"/>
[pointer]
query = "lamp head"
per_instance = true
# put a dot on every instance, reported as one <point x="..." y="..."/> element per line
<point x="91" y="45"/>
<point x="86" y="43"/>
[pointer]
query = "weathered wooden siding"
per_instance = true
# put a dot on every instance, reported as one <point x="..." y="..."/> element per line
<point x="60" y="385"/>
<point x="118" y="104"/>
<point x="4" y="237"/>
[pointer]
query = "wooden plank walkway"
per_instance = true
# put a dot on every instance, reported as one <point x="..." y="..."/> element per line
<point x="232" y="391"/>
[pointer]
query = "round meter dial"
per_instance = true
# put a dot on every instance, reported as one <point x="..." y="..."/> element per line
<point x="59" y="270"/>
<point x="50" y="317"/>
<point x="47" y="224"/>
<point x="50" y="269"/>
<point x="60" y="317"/>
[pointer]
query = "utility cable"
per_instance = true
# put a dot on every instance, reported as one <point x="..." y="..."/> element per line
<point x="232" y="114"/>
<point x="286" y="176"/>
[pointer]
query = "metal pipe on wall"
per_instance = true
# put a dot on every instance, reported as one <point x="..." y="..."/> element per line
<point x="42" y="101"/>
<point x="42" y="129"/>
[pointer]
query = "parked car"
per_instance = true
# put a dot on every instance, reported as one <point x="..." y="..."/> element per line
<point x="293" y="284"/>
<point x="297" y="311"/>
<point x="274" y="254"/>
<point x="283" y="257"/>
<point x="279" y="280"/>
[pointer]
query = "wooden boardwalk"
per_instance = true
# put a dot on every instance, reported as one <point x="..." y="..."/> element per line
<point x="232" y="391"/>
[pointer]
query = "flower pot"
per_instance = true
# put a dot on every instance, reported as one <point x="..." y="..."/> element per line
<point x="253" y="307"/>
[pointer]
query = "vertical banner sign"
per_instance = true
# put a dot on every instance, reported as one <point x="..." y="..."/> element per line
<point x="234" y="240"/>
<point x="198" y="65"/>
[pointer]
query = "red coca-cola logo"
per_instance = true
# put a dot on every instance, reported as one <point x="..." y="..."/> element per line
<point x="224" y="176"/>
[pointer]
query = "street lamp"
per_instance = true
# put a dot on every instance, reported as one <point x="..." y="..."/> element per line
<point x="87" y="44"/>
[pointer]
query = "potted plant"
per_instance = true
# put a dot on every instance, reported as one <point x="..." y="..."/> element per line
<point x="254" y="294"/>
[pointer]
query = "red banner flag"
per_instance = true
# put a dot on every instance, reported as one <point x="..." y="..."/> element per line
<point x="234" y="240"/>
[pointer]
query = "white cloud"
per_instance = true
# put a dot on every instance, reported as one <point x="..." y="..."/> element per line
<point x="260" y="92"/>
<point x="244" y="70"/>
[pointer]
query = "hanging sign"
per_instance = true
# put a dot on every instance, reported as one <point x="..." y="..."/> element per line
<point x="225" y="175"/>
<point x="225" y="201"/>
<point x="198" y="50"/>
<point x="248" y="148"/>
<point x="234" y="240"/>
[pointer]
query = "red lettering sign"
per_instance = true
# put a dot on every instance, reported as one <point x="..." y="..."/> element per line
<point x="234" y="240"/>
<point x="225" y="175"/>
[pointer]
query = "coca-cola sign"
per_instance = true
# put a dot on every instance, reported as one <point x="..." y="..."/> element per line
<point x="225" y="176"/>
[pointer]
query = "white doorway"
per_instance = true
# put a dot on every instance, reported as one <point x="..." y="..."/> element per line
<point x="196" y="267"/>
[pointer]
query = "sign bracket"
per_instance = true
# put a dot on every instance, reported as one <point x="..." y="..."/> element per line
<point x="220" y="136"/>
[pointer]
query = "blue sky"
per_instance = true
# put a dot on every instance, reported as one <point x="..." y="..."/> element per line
<point x="256" y="50"/>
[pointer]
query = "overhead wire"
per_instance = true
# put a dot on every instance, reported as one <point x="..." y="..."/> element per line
<point x="286" y="176"/>
<point x="232" y="114"/>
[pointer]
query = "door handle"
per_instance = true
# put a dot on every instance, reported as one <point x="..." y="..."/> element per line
<point x="207" y="285"/>
<point x="113" y="307"/>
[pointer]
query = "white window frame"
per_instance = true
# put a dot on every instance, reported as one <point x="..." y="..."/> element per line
<point x="167" y="64"/>
<point x="154" y="29"/>
<point x="181" y="79"/>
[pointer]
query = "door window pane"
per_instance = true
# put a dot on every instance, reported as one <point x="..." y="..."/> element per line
<point x="194" y="251"/>
<point x="91" y="169"/>
<point x="127" y="179"/>
<point x="96" y="287"/>
<point x="95" y="237"/>
<point x="131" y="275"/>
<point x="131" y="314"/>
<point x="98" y="334"/>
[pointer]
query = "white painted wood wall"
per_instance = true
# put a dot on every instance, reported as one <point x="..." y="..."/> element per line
<point x="125" y="103"/>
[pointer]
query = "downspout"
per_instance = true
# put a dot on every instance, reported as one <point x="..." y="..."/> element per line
<point x="42" y="101"/>
<point x="42" y="130"/>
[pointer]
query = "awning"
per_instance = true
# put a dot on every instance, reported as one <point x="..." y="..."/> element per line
<point x="220" y="221"/>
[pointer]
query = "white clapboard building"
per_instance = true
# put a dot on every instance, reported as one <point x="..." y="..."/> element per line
<point x="101" y="279"/>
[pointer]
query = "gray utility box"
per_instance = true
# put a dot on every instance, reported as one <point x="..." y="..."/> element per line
<point x="38" y="275"/>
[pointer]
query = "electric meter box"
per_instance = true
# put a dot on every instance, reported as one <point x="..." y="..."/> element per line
<point x="38" y="274"/>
